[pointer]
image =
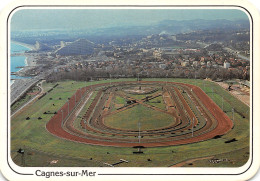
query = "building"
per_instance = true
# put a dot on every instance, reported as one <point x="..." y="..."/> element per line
<point x="78" y="47"/>
<point x="226" y="65"/>
<point x="157" y="54"/>
<point x="162" y="66"/>
<point x="195" y="64"/>
<point x="42" y="47"/>
<point x="209" y="64"/>
<point x="185" y="64"/>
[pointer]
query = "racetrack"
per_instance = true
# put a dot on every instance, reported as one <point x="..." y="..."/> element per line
<point x="184" y="102"/>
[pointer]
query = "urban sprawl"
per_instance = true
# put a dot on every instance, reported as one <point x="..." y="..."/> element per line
<point x="154" y="56"/>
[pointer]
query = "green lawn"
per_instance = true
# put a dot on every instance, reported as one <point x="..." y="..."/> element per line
<point x="129" y="118"/>
<point x="238" y="157"/>
<point x="120" y="100"/>
<point x="21" y="102"/>
<point x="137" y="96"/>
<point x="157" y="102"/>
<point x="27" y="97"/>
<point x="32" y="135"/>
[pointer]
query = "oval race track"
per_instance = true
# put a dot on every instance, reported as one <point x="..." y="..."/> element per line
<point x="194" y="116"/>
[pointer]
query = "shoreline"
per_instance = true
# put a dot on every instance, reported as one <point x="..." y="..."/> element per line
<point x="27" y="61"/>
<point x="31" y="47"/>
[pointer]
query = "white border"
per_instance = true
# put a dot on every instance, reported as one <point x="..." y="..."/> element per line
<point x="144" y="170"/>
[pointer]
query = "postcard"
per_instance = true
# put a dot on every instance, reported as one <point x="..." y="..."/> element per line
<point x="129" y="90"/>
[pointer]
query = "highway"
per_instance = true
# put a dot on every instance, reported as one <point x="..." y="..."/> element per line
<point x="205" y="45"/>
<point x="234" y="52"/>
<point x="39" y="94"/>
<point x="20" y="86"/>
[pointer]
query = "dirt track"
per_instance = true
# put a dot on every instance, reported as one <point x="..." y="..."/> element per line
<point x="222" y="124"/>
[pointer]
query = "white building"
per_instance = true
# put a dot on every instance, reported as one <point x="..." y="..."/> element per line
<point x="195" y="64"/>
<point x="226" y="65"/>
<point x="162" y="66"/>
<point x="209" y="64"/>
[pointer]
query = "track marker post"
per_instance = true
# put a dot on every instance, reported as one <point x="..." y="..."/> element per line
<point x="91" y="83"/>
<point x="233" y="114"/>
<point x="192" y="126"/>
<point x="68" y="107"/>
<point x="222" y="104"/>
<point x="85" y="122"/>
<point x="81" y="93"/>
<point x="139" y="133"/>
<point x="233" y="117"/>
<point x="166" y="78"/>
<point x="21" y="151"/>
<point x="110" y="79"/>
<point x="61" y="117"/>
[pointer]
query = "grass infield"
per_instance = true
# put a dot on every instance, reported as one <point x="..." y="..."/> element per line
<point x="31" y="134"/>
<point x="128" y="120"/>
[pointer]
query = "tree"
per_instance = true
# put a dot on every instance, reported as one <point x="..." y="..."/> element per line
<point x="202" y="73"/>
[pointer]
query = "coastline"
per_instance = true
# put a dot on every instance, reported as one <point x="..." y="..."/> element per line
<point x="28" y="61"/>
<point x="31" y="47"/>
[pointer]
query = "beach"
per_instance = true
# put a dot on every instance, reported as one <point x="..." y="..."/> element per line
<point x="16" y="62"/>
<point x="29" y="63"/>
<point x="19" y="64"/>
<point x="31" y="47"/>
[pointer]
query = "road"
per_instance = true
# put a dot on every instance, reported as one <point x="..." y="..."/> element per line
<point x="205" y="45"/>
<point x="20" y="86"/>
<point x="41" y="91"/>
<point x="235" y="53"/>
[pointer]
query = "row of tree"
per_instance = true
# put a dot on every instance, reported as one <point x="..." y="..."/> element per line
<point x="87" y="75"/>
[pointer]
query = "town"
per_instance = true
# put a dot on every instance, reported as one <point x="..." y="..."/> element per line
<point x="158" y="55"/>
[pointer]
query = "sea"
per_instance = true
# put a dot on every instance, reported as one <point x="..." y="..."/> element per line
<point x="17" y="61"/>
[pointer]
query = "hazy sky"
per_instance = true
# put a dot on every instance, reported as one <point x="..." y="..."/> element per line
<point x="30" y="19"/>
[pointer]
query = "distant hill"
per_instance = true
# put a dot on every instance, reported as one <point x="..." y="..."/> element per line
<point x="171" y="27"/>
<point x="200" y="24"/>
<point x="175" y="27"/>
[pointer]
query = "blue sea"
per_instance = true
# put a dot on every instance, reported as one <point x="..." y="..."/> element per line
<point x="17" y="61"/>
